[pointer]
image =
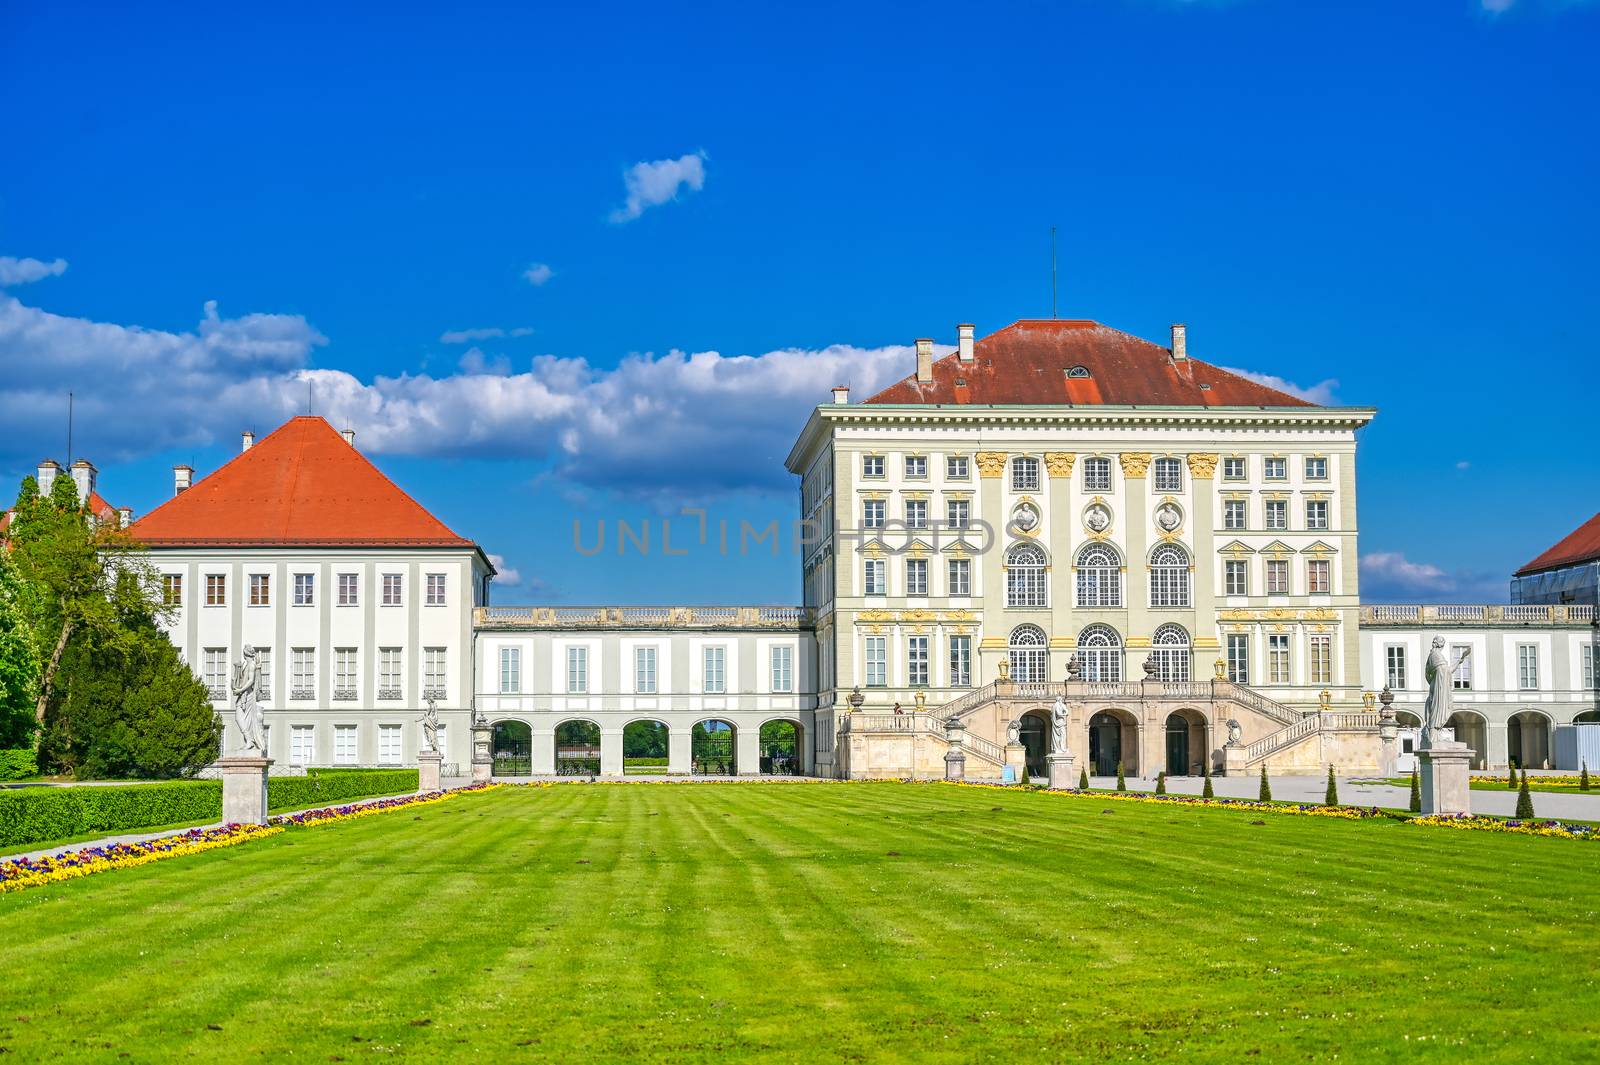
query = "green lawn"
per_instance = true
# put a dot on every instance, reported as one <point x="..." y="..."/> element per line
<point x="819" y="922"/>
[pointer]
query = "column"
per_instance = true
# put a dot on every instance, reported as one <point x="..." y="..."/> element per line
<point x="543" y="744"/>
<point x="610" y="752"/>
<point x="679" y="757"/>
<point x="747" y="750"/>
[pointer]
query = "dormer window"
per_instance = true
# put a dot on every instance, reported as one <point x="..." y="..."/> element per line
<point x="1078" y="372"/>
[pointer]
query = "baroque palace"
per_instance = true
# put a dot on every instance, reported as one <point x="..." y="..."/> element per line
<point x="1057" y="511"/>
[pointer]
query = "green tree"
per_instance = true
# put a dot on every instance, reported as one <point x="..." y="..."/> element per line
<point x="1206" y="790"/>
<point x="1332" y="797"/>
<point x="1083" y="778"/>
<point x="19" y="661"/>
<point x="1122" y="782"/>
<point x="1524" y="801"/>
<point x="1416" y="792"/>
<point x="1583" y="777"/>
<point x="1161" y="783"/>
<point x="1266" y="786"/>
<point x="1511" y="781"/>
<point x="644" y="739"/>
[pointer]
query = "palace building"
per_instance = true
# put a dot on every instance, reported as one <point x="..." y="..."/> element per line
<point x="1058" y="510"/>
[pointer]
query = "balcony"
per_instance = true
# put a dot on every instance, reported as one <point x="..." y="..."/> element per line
<point x="643" y="617"/>
<point x="1470" y="614"/>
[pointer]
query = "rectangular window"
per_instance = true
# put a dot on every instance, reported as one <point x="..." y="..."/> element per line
<point x="303" y="673"/>
<point x="1168" y="475"/>
<point x="960" y="576"/>
<point x="916" y="513"/>
<point x="389" y="744"/>
<point x="389" y="672"/>
<point x="216" y="589"/>
<point x="435" y="588"/>
<point x="264" y="661"/>
<point x="305" y="589"/>
<point x="172" y="589"/>
<point x="957" y="513"/>
<point x="1233" y="469"/>
<point x="1394" y="657"/>
<point x="216" y="671"/>
<point x="916" y="576"/>
<point x="1236" y="577"/>
<point x="917" y="661"/>
<point x="1097" y="475"/>
<point x="917" y="466"/>
<point x="955" y="467"/>
<point x="1239" y="658"/>
<point x="1233" y="514"/>
<point x="877" y="661"/>
<point x="872" y="466"/>
<point x="783" y="668"/>
<point x="1024" y="474"/>
<point x="1528" y="666"/>
<point x="344" y="672"/>
<point x="577" y="670"/>
<point x="1277" y="576"/>
<point x="1316" y="469"/>
<point x="874" y="583"/>
<point x="510" y="670"/>
<point x="260" y="589"/>
<point x="1320" y="659"/>
<point x="347" y="589"/>
<point x="433" y="672"/>
<point x="1588" y="655"/>
<point x="1316" y="513"/>
<point x="1461" y="679"/>
<point x="391" y="588"/>
<point x="1277" y="513"/>
<point x="872" y="513"/>
<point x="961" y="661"/>
<point x="644" y="670"/>
<point x="1318" y="581"/>
<point x="344" y="745"/>
<point x="714" y="676"/>
<point x="301" y="741"/>
<point x="1278" y="658"/>
<point x="1275" y="469"/>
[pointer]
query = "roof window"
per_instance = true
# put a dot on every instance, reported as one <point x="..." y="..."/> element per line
<point x="1078" y="371"/>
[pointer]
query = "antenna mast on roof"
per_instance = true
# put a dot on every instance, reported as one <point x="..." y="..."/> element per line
<point x="1052" y="271"/>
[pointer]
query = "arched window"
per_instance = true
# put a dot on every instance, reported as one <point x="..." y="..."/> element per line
<point x="1099" y="576"/>
<point x="1028" y="654"/>
<point x="1100" y="652"/>
<point x="1169" y="576"/>
<point x="1170" y="652"/>
<point x="1025" y="584"/>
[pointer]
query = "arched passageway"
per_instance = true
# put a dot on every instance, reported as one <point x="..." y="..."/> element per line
<point x="1186" y="743"/>
<point x="1528" y="739"/>
<point x="1035" y="737"/>
<point x="782" y="748"/>
<point x="577" y="748"/>
<point x="1113" y="738"/>
<point x="644" y="748"/>
<point x="1472" y="730"/>
<point x="512" y="749"/>
<point x="713" y="747"/>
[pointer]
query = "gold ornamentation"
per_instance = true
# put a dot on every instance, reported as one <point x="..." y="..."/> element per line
<point x="875" y="615"/>
<point x="917" y="615"/>
<point x="1325" y="700"/>
<point x="1202" y="467"/>
<point x="958" y="615"/>
<point x="991" y="463"/>
<point x="1220" y="668"/>
<point x="1059" y="463"/>
<point x="1134" y="463"/>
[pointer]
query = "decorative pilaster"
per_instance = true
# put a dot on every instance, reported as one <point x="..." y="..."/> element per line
<point x="990" y="463"/>
<point x="1136" y="564"/>
<point x="1202" y="526"/>
<point x="991" y="561"/>
<point x="1064" y="529"/>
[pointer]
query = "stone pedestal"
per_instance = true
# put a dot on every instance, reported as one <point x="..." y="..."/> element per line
<point x="482" y="751"/>
<point x="1060" y="766"/>
<point x="1017" y="762"/>
<point x="244" y="789"/>
<point x="1444" y="769"/>
<point x="955" y="765"/>
<point x="428" y="770"/>
<point x="1233" y="762"/>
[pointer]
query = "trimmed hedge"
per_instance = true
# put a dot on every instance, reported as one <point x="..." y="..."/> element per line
<point x="33" y="815"/>
<point x="19" y="764"/>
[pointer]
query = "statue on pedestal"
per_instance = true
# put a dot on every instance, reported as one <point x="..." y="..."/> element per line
<point x="1235" y="733"/>
<point x="430" y="726"/>
<point x="1439" y="672"/>
<point x="246" y="710"/>
<point x="1058" y="727"/>
<point x="1014" y="731"/>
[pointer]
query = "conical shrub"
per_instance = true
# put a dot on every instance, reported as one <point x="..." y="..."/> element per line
<point x="1416" y="792"/>
<point x="1122" y="781"/>
<point x="1583" y="778"/>
<point x="1161" y="783"/>
<point x="1083" y="779"/>
<point x="1206" y="792"/>
<point x="1266" y="786"/>
<point x="1524" y="801"/>
<point x="1511" y="782"/>
<point x="1332" y="797"/>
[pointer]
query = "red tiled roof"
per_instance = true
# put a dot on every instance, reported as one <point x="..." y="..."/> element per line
<point x="1581" y="545"/>
<point x="301" y="485"/>
<point x="1028" y="362"/>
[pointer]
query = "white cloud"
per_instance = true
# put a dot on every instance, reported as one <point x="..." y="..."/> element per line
<point x="1320" y="393"/>
<point x="537" y="274"/>
<point x="652" y="184"/>
<point x="1495" y="7"/>
<point x="467" y="336"/>
<point x="23" y="271"/>
<point x="1392" y="569"/>
<point x="1463" y="465"/>
<point x="474" y="361"/>
<point x="505" y="576"/>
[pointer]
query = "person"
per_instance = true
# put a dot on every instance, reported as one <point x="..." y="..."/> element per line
<point x="897" y="709"/>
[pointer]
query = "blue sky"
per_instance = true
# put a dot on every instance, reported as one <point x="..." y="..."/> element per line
<point x="666" y="232"/>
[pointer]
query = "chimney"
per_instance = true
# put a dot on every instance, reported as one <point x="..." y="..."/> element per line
<point x="47" y="475"/>
<point x="249" y="441"/>
<point x="124" y="517"/>
<point x="83" y="477"/>
<point x="349" y="436"/>
<point x="924" y="362"/>
<point x="964" y="342"/>
<point x="841" y="394"/>
<point x="1180" y="349"/>
<point x="182" y="477"/>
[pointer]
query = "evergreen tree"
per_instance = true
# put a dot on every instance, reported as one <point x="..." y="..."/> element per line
<point x="1583" y="777"/>
<point x="1161" y="782"/>
<point x="1122" y="783"/>
<point x="1083" y="778"/>
<point x="19" y="663"/>
<point x="1332" y="797"/>
<point x="1524" y="801"/>
<point x="1416" y="792"/>
<point x="1511" y="783"/>
<point x="1266" y="786"/>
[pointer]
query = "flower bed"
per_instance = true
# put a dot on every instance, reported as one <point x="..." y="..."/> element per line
<point x="1289" y="809"/>
<point x="329" y="814"/>
<point x="1479" y="823"/>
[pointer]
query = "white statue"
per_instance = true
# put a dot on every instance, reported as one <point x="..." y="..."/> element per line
<point x="1235" y="733"/>
<point x="1098" y="518"/>
<point x="246" y="711"/>
<point x="430" y="726"/>
<point x="1014" y="731"/>
<point x="1168" y="517"/>
<point x="1439" y="672"/>
<point x="1058" y="727"/>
